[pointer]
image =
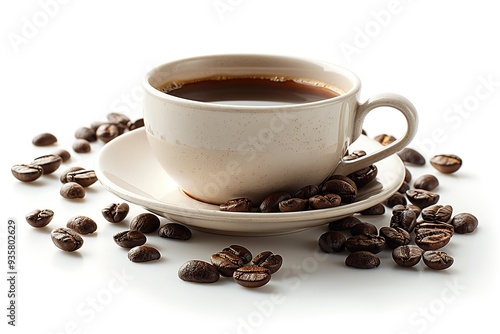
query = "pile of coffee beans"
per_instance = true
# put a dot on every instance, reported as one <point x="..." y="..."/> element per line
<point x="234" y="261"/>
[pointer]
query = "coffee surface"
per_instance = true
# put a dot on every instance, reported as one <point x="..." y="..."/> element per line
<point x="250" y="91"/>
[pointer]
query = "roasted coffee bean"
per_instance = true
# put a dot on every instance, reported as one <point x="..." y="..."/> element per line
<point x="66" y="239"/>
<point x="464" y="223"/>
<point x="107" y="132"/>
<point x="365" y="242"/>
<point x="395" y="199"/>
<point x="342" y="188"/>
<point x="72" y="190"/>
<point x="432" y="236"/>
<point x="86" y="133"/>
<point x="364" y="176"/>
<point x="115" y="212"/>
<point x="411" y="156"/>
<point x="407" y="255"/>
<point x="241" y="252"/>
<point x="364" y="228"/>
<point x="139" y="123"/>
<point x="354" y="155"/>
<point x="324" y="202"/>
<point x="437" y="213"/>
<point x="26" y="173"/>
<point x="293" y="204"/>
<point x="174" y="231"/>
<point x="145" y="222"/>
<point x="404" y="187"/>
<point x="81" y="146"/>
<point x="395" y="236"/>
<point x="129" y="239"/>
<point x="403" y="218"/>
<point x="226" y="262"/>
<point x="252" y="276"/>
<point x="82" y="225"/>
<point x="143" y="253"/>
<point x="426" y="182"/>
<point x="198" y="271"/>
<point x="437" y="260"/>
<point x="408" y="175"/>
<point x="268" y="260"/>
<point x="65" y="155"/>
<point x="307" y="191"/>
<point x="341" y="178"/>
<point x="385" y="139"/>
<point x="376" y="210"/>
<point x="271" y="202"/>
<point x="96" y="124"/>
<point x="237" y="205"/>
<point x="63" y="178"/>
<point x="422" y="198"/>
<point x="362" y="260"/>
<point x="83" y="177"/>
<point x="411" y="207"/>
<point x="44" y="139"/>
<point x="446" y="163"/>
<point x="40" y="218"/>
<point x="118" y="118"/>
<point x="332" y="242"/>
<point x="343" y="224"/>
<point x="49" y="163"/>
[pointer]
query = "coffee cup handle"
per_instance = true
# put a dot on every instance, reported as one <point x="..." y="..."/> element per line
<point x="380" y="100"/>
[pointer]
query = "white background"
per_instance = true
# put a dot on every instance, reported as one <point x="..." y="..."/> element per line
<point x="65" y="64"/>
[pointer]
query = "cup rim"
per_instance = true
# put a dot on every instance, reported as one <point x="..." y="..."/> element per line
<point x="346" y="73"/>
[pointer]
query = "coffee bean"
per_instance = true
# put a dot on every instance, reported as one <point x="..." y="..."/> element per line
<point x="293" y="204"/>
<point x="143" y="253"/>
<point x="364" y="228"/>
<point x="226" y="262"/>
<point x="65" y="155"/>
<point x="307" y="191"/>
<point x="464" y="223"/>
<point x="72" y="190"/>
<point x="395" y="199"/>
<point x="81" y="146"/>
<point x="198" y="271"/>
<point x="82" y="224"/>
<point x="376" y="210"/>
<point x="408" y="175"/>
<point x="362" y="260"/>
<point x="83" y="177"/>
<point x="426" y="182"/>
<point x="395" y="236"/>
<point x="271" y="202"/>
<point x="342" y="188"/>
<point x="341" y="178"/>
<point x="49" y="163"/>
<point x="86" y="133"/>
<point x="437" y="260"/>
<point x="446" y="163"/>
<point x="332" y="242"/>
<point x="437" y="213"/>
<point x="63" y="178"/>
<point x="66" y="239"/>
<point x="129" y="239"/>
<point x="118" y="118"/>
<point x="145" y="222"/>
<point x="365" y="242"/>
<point x="237" y="205"/>
<point x="364" y="176"/>
<point x="26" y="173"/>
<point x="404" y="187"/>
<point x="139" y="123"/>
<point x="407" y="255"/>
<point x="432" y="236"/>
<point x="411" y="207"/>
<point x="411" y="156"/>
<point x="242" y="252"/>
<point x="115" y="212"/>
<point x="384" y="139"/>
<point x="40" y="218"/>
<point x="403" y="218"/>
<point x="324" y="202"/>
<point x="44" y="139"/>
<point x="343" y="224"/>
<point x="107" y="132"/>
<point x="268" y="260"/>
<point x="422" y="198"/>
<point x="252" y="276"/>
<point x="174" y="231"/>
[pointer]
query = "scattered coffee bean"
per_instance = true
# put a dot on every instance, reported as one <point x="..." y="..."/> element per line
<point x="426" y="182"/>
<point x="40" y="218"/>
<point x="362" y="260"/>
<point x="83" y="177"/>
<point x="226" y="262"/>
<point x="422" y="198"/>
<point x="364" y="228"/>
<point x="342" y="188"/>
<point x="324" y="202"/>
<point x="174" y="231"/>
<point x="376" y="210"/>
<point x="307" y="191"/>
<point x="66" y="239"/>
<point x="72" y="190"/>
<point x="145" y="222"/>
<point x="404" y="187"/>
<point x="139" y="123"/>
<point x="81" y="146"/>
<point x="432" y="236"/>
<point x="403" y="218"/>
<point x="268" y="260"/>
<point x="446" y="163"/>
<point x="384" y="139"/>
<point x="26" y="173"/>
<point x="364" y="176"/>
<point x="86" y="133"/>
<point x="395" y="199"/>
<point x="407" y="255"/>
<point x="437" y="260"/>
<point x="143" y="253"/>
<point x="82" y="225"/>
<point x="198" y="271"/>
<point x="44" y="139"/>
<point x="293" y="204"/>
<point x="237" y="205"/>
<point x="241" y="252"/>
<point x="343" y="224"/>
<point x="106" y="132"/>
<point x="340" y="178"/>
<point x="252" y="276"/>
<point x="63" y="178"/>
<point x="49" y="163"/>
<point x="411" y="156"/>
<point x="395" y="236"/>
<point x="271" y="202"/>
<point x="65" y="155"/>
<point x="332" y="242"/>
<point x="464" y="223"/>
<point x="115" y="212"/>
<point x="365" y="242"/>
<point x="437" y="213"/>
<point x="118" y="118"/>
<point x="129" y="239"/>
<point x="408" y="175"/>
<point x="411" y="207"/>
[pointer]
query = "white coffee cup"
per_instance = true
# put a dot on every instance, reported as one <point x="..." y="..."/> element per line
<point x="216" y="152"/>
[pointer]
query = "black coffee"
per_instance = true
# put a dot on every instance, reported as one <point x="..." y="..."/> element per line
<point x="250" y="91"/>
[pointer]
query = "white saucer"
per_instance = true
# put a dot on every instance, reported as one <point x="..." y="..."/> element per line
<point x="127" y="168"/>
